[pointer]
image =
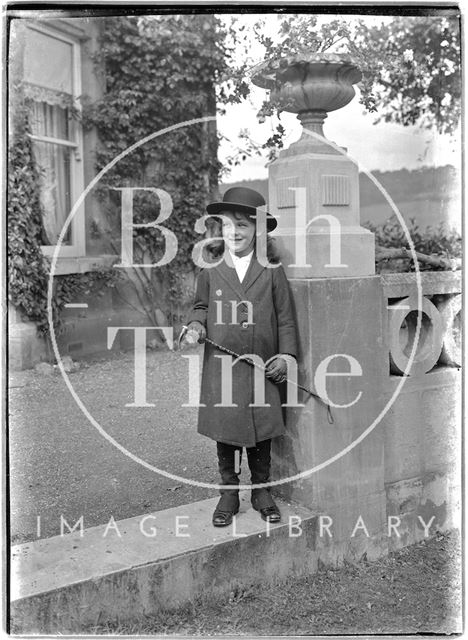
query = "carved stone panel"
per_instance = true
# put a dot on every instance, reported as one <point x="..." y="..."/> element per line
<point x="285" y="195"/>
<point x="335" y="190"/>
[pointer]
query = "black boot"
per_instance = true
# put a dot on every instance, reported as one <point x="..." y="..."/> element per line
<point x="259" y="465"/>
<point x="228" y="504"/>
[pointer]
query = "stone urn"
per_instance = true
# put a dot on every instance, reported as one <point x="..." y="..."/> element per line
<point x="310" y="85"/>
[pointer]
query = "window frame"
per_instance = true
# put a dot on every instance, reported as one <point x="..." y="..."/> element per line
<point x="77" y="224"/>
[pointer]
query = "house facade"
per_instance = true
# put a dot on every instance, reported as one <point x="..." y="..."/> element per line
<point x="53" y="69"/>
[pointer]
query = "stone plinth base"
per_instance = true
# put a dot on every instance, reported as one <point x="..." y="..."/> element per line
<point x="353" y="248"/>
<point x="26" y="347"/>
<point x="338" y="316"/>
<point x="71" y="583"/>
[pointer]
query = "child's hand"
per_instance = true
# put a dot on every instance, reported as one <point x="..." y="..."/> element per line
<point x="197" y="328"/>
<point x="276" y="370"/>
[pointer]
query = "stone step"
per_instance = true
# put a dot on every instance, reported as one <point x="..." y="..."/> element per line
<point x="159" y="561"/>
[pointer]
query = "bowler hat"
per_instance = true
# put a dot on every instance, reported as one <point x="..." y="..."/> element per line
<point x="243" y="200"/>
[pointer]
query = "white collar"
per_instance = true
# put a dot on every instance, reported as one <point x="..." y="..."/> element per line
<point x="238" y="259"/>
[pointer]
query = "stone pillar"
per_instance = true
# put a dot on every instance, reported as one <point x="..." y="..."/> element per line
<point x="316" y="170"/>
<point x="338" y="316"/>
<point x="339" y="310"/>
<point x="331" y="184"/>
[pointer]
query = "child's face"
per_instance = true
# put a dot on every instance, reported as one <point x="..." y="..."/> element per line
<point x="238" y="233"/>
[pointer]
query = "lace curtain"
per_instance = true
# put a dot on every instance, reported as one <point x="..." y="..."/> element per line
<point x="50" y="96"/>
<point x="48" y="83"/>
<point x="53" y="163"/>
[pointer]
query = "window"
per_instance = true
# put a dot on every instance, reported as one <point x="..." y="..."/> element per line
<point x="52" y="81"/>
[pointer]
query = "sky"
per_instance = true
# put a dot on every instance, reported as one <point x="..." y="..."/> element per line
<point x="382" y="146"/>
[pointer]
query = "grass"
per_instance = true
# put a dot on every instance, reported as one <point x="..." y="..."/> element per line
<point x="414" y="590"/>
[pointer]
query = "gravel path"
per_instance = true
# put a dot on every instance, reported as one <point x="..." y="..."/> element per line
<point x="61" y="465"/>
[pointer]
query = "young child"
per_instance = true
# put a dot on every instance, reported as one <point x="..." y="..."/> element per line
<point x="247" y="308"/>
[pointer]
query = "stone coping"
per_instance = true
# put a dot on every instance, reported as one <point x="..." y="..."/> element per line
<point x="83" y="264"/>
<point x="398" y="285"/>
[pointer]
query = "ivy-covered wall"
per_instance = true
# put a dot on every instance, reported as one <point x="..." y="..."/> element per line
<point x="28" y="267"/>
<point x="139" y="76"/>
<point x="159" y="72"/>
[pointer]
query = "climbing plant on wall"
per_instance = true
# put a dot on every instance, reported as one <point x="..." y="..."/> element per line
<point x="157" y="72"/>
<point x="161" y="71"/>
<point x="28" y="268"/>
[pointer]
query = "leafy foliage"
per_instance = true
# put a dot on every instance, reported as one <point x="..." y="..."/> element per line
<point x="301" y="34"/>
<point x="164" y="70"/>
<point x="440" y="241"/>
<point x="79" y="286"/>
<point x="411" y="65"/>
<point x="28" y="268"/>
<point x="413" y="70"/>
<point x="432" y="240"/>
<point x="161" y="71"/>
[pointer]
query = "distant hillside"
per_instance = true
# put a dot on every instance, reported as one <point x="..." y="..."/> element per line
<point x="430" y="195"/>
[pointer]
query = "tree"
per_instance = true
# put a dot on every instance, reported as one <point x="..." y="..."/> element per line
<point x="411" y="76"/>
<point x="413" y="70"/>
<point x="411" y="65"/>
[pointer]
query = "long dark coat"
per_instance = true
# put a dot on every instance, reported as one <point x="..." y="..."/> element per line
<point x="272" y="331"/>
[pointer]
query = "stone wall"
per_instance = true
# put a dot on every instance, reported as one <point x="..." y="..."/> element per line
<point x="406" y="466"/>
<point x="422" y="430"/>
